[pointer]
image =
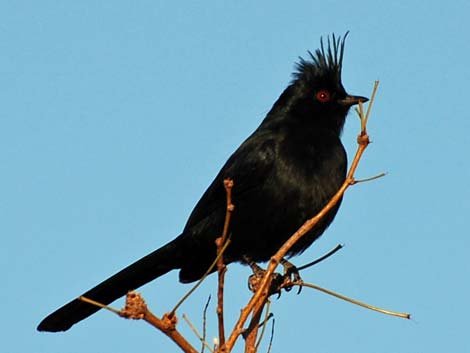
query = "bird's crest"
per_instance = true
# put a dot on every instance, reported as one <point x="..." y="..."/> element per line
<point x="324" y="61"/>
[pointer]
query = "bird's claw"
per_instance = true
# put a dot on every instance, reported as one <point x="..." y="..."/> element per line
<point x="291" y="276"/>
<point x="254" y="282"/>
<point x="287" y="280"/>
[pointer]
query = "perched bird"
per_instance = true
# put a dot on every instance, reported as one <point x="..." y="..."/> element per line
<point x="284" y="173"/>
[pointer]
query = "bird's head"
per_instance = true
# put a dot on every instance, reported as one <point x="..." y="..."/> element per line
<point x="316" y="96"/>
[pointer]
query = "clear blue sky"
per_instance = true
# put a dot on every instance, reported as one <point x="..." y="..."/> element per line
<point x="115" y="116"/>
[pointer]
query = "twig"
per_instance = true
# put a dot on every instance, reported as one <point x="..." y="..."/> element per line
<point x="320" y="259"/>
<point x="102" y="306"/>
<point x="262" y="291"/>
<point x="204" y="322"/>
<point x="372" y="98"/>
<point x="228" y="185"/>
<point x="257" y="301"/>
<point x="252" y="330"/>
<point x="272" y="336"/>
<point x="196" y="332"/>
<point x="137" y="309"/>
<point x="350" y="300"/>
<point x="265" y="321"/>
<point x="168" y="328"/>
<point x="360" y="111"/>
<point x="381" y="175"/>
<point x="221" y="268"/>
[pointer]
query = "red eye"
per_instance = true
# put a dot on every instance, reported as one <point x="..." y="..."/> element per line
<point x="323" y="96"/>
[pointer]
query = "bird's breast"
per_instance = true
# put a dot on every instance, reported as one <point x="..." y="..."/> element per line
<point x="302" y="180"/>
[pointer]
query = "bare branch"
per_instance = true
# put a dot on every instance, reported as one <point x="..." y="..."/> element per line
<point x="354" y="301"/>
<point x="381" y="175"/>
<point x="256" y="303"/>
<point x="221" y="268"/>
<point x="320" y="259"/>
<point x="196" y="332"/>
<point x="264" y="323"/>
<point x="204" y="323"/>
<point x="136" y="309"/>
<point x="102" y="306"/>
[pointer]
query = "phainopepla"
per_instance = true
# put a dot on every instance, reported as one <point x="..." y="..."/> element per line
<point x="284" y="173"/>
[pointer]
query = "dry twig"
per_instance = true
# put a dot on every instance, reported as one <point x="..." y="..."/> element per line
<point x="221" y="268"/>
<point x="198" y="335"/>
<point x="136" y="309"/>
<point x="256" y="303"/>
<point x="354" y="301"/>
<point x="204" y="322"/>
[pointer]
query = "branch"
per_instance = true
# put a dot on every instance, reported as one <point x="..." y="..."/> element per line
<point x="198" y="335"/>
<point x="320" y="259"/>
<point x="354" y="301"/>
<point x="204" y="323"/>
<point x="256" y="303"/>
<point x="136" y="309"/>
<point x="221" y="267"/>
<point x="267" y="315"/>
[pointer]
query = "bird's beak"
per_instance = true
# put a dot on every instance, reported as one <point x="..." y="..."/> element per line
<point x="352" y="100"/>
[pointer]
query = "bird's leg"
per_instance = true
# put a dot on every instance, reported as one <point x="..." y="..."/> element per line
<point x="256" y="278"/>
<point x="257" y="270"/>
<point x="291" y="276"/>
<point x="258" y="273"/>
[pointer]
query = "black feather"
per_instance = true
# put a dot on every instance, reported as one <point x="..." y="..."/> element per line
<point x="323" y="62"/>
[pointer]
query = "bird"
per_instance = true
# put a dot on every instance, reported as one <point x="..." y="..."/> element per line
<point x="285" y="172"/>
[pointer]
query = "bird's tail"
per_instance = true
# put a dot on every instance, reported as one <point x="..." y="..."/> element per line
<point x="139" y="273"/>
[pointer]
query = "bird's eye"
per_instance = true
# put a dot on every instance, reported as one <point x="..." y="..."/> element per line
<point x="323" y="96"/>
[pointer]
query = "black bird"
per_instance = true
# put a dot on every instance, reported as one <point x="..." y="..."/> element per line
<point x="284" y="173"/>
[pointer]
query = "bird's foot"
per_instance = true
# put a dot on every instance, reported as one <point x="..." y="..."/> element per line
<point x="287" y="280"/>
<point x="291" y="276"/>
<point x="254" y="281"/>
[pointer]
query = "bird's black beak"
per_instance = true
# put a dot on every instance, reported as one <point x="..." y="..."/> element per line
<point x="352" y="100"/>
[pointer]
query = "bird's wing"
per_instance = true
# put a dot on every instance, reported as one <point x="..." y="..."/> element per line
<point x="249" y="167"/>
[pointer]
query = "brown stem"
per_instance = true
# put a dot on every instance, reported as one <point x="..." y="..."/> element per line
<point x="320" y="259"/>
<point x="220" y="305"/>
<point x="259" y="298"/>
<point x="136" y="309"/>
<point x="221" y="268"/>
<point x="251" y="337"/>
<point x="202" y="337"/>
<point x="168" y="326"/>
<point x="204" y="324"/>
<point x="354" y="301"/>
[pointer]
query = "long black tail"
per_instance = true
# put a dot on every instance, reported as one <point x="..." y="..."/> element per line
<point x="154" y="265"/>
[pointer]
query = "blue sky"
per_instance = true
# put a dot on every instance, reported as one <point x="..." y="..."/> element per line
<point x="115" y="116"/>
